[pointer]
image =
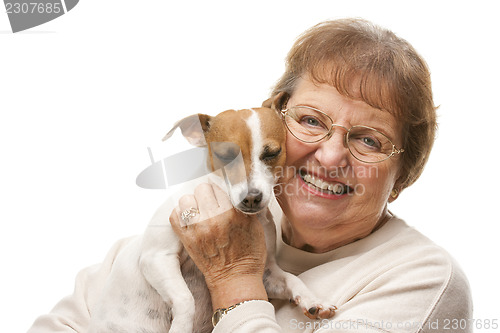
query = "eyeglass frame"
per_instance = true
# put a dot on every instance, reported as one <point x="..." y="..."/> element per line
<point x="330" y="132"/>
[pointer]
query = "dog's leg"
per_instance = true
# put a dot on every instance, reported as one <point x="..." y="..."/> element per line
<point x="283" y="285"/>
<point x="162" y="269"/>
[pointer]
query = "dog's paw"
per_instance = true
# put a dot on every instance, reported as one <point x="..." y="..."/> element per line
<point x="314" y="309"/>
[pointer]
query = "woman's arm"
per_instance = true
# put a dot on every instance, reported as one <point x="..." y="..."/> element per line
<point x="72" y="313"/>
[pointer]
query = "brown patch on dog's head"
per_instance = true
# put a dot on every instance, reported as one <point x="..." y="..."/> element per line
<point x="274" y="136"/>
<point x="227" y="137"/>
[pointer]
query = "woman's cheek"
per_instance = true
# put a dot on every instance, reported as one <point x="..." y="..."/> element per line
<point x="374" y="182"/>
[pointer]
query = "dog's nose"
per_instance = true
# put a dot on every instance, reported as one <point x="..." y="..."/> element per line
<point x="253" y="199"/>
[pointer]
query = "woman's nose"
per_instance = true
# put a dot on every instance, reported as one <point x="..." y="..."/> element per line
<point x="333" y="152"/>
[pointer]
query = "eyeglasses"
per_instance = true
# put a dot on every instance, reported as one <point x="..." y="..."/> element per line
<point x="365" y="143"/>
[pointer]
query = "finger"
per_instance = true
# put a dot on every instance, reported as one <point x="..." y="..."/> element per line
<point x="222" y="198"/>
<point x="206" y="199"/>
<point x="175" y="219"/>
<point x="178" y="225"/>
<point x="189" y="212"/>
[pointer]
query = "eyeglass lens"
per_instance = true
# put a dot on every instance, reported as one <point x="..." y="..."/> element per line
<point x="365" y="143"/>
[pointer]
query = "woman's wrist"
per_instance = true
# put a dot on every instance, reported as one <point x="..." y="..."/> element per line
<point x="238" y="289"/>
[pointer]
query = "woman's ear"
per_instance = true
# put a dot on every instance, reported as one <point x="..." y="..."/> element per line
<point x="394" y="195"/>
<point x="397" y="188"/>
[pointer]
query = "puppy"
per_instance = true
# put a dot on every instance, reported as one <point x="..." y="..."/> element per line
<point x="154" y="286"/>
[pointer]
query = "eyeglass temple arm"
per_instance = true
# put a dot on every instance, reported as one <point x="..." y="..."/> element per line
<point x="396" y="150"/>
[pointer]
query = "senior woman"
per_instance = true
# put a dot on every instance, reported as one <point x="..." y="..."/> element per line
<point x="357" y="104"/>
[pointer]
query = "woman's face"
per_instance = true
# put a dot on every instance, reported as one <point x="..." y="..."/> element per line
<point x="318" y="220"/>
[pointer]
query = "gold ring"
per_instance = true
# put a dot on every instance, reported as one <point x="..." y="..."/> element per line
<point x="189" y="213"/>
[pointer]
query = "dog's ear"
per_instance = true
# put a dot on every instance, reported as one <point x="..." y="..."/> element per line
<point x="193" y="128"/>
<point x="268" y="103"/>
<point x="277" y="102"/>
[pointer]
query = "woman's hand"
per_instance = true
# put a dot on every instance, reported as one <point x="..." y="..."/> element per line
<point x="227" y="246"/>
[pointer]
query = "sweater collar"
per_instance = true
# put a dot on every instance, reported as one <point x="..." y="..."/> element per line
<point x="297" y="261"/>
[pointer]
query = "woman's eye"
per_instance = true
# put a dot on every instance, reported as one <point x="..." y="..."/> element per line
<point x="311" y="121"/>
<point x="369" y="142"/>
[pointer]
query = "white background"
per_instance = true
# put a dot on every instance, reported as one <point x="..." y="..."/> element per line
<point x="83" y="96"/>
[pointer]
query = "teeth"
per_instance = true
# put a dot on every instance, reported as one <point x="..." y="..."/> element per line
<point x="335" y="188"/>
<point x="340" y="189"/>
<point x="322" y="185"/>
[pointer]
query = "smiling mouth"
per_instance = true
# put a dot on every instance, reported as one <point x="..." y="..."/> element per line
<point x="326" y="187"/>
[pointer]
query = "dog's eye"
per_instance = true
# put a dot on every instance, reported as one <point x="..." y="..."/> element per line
<point x="269" y="154"/>
<point x="226" y="156"/>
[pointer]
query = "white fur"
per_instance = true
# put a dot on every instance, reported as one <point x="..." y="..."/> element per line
<point x="155" y="287"/>
<point x="261" y="177"/>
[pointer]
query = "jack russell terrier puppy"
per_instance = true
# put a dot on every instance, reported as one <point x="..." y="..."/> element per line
<point x="154" y="286"/>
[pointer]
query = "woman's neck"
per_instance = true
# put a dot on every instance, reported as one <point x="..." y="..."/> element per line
<point x="334" y="237"/>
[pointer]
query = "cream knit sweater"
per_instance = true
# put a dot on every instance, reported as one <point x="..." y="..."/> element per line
<point x="394" y="280"/>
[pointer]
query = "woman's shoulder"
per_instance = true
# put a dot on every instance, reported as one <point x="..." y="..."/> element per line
<point x="414" y="266"/>
<point x="413" y="246"/>
<point x="395" y="274"/>
<point x="401" y="246"/>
